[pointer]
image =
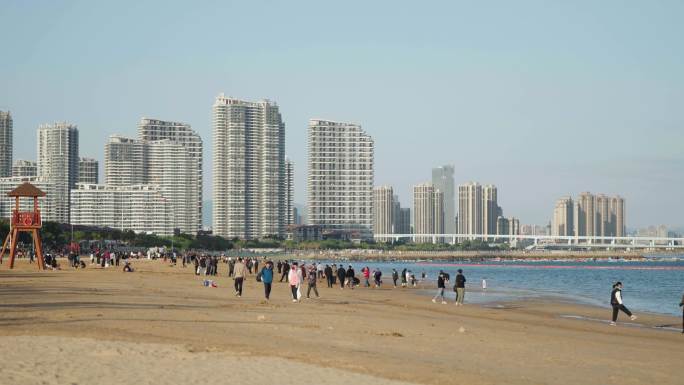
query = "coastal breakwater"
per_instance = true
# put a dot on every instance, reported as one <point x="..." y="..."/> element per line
<point x="383" y="255"/>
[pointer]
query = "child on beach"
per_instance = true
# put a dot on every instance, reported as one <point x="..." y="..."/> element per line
<point x="617" y="304"/>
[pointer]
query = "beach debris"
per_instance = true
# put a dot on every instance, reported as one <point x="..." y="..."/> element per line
<point x="391" y="334"/>
<point x="461" y="329"/>
<point x="261" y="317"/>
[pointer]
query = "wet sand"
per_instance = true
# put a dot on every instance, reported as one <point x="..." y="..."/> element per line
<point x="160" y="325"/>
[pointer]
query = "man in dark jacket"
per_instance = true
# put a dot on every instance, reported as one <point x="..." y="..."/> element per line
<point x="329" y="275"/>
<point x="682" y="305"/>
<point x="460" y="287"/>
<point x="341" y="276"/>
<point x="350" y="275"/>
<point x="286" y="270"/>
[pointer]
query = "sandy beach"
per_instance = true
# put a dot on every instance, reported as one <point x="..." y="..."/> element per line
<point x="159" y="325"/>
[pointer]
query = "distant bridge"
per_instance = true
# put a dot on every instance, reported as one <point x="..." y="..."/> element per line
<point x="547" y="241"/>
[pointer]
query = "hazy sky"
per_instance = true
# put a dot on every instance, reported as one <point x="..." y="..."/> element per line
<point x="541" y="98"/>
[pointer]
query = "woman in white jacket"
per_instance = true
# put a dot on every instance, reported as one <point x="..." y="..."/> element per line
<point x="617" y="304"/>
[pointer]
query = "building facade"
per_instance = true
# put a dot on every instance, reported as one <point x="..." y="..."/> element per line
<point x="249" y="198"/>
<point x="191" y="146"/>
<point x="171" y="167"/>
<point x="58" y="163"/>
<point x="443" y="180"/>
<point x="591" y="215"/>
<point x="470" y="219"/>
<point x="490" y="209"/>
<point x="6" y="138"/>
<point x="125" y="161"/>
<point x="384" y="210"/>
<point x="290" y="211"/>
<point x="139" y="208"/>
<point x="47" y="203"/>
<point x="340" y="177"/>
<point x="24" y="168"/>
<point x="88" y="171"/>
<point x="428" y="210"/>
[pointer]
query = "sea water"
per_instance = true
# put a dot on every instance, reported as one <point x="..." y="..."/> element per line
<point x="653" y="286"/>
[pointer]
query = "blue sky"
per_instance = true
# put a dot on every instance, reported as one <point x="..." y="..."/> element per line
<point x="541" y="98"/>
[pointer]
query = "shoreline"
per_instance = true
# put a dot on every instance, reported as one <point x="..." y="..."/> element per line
<point x="371" y="332"/>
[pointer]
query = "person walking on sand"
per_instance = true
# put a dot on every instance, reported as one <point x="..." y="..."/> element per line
<point x="395" y="277"/>
<point x="350" y="275"/>
<point x="293" y="276"/>
<point x="441" y="278"/>
<point x="681" y="304"/>
<point x="366" y="276"/>
<point x="404" y="278"/>
<point x="286" y="271"/>
<point x="311" y="281"/>
<point x="239" y="274"/>
<point x="329" y="275"/>
<point x="341" y="276"/>
<point x="617" y="303"/>
<point x="267" y="279"/>
<point x="460" y="287"/>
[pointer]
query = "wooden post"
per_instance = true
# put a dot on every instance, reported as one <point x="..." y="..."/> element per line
<point x="13" y="247"/>
<point x="6" y="244"/>
<point x="39" y="249"/>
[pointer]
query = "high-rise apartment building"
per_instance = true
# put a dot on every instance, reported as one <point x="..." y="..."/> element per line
<point x="470" y="218"/>
<point x="125" y="161"/>
<point x="88" y="171"/>
<point x="584" y="215"/>
<point x="490" y="209"/>
<point x="25" y="168"/>
<point x="174" y="169"/>
<point x="58" y="163"/>
<point x="290" y="212"/>
<point x="443" y="180"/>
<point x="6" y="138"/>
<point x="592" y="215"/>
<point x="402" y="217"/>
<point x="563" y="222"/>
<point x="384" y="210"/>
<point x="617" y="213"/>
<point x="167" y="155"/>
<point x="428" y="210"/>
<point x="249" y="169"/>
<point x="140" y="208"/>
<point x="340" y="179"/>
<point x="191" y="148"/>
<point x="507" y="226"/>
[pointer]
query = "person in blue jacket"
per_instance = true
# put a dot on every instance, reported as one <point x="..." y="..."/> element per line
<point x="267" y="278"/>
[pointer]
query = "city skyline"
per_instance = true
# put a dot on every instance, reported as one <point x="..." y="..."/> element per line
<point x="530" y="97"/>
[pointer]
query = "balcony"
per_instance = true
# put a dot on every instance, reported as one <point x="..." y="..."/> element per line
<point x="27" y="219"/>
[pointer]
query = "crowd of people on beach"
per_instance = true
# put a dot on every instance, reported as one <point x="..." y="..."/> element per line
<point x="295" y="274"/>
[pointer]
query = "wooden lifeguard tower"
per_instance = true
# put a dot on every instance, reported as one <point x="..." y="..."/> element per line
<point x="26" y="221"/>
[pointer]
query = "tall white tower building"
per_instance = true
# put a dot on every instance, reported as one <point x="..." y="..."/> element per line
<point x="58" y="163"/>
<point x="428" y="212"/>
<point x="443" y="180"/>
<point x="5" y="144"/>
<point x="249" y="169"/>
<point x="340" y="179"/>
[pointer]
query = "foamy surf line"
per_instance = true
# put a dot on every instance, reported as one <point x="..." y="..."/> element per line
<point x="571" y="267"/>
<point x="671" y="328"/>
